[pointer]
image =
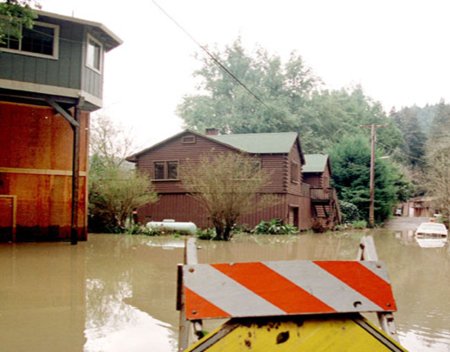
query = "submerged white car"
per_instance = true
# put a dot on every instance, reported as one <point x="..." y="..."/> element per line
<point x="431" y="235"/>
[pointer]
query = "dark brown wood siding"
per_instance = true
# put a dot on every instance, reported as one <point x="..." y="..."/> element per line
<point x="181" y="207"/>
<point x="278" y="210"/>
<point x="326" y="178"/>
<point x="313" y="179"/>
<point x="176" y="150"/>
<point x="36" y="168"/>
<point x="276" y="166"/>
<point x="318" y="180"/>
<point x="294" y="157"/>
<point x="175" y="204"/>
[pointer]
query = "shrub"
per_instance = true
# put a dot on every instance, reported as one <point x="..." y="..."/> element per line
<point x="137" y="229"/>
<point x="239" y="228"/>
<point x="274" y="227"/>
<point x="206" y="234"/>
<point x="360" y="224"/>
<point x="318" y="227"/>
<point x="349" y="211"/>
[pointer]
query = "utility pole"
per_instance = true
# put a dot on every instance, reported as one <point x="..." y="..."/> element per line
<point x="373" y="140"/>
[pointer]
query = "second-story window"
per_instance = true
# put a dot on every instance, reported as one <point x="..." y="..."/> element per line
<point x="172" y="170"/>
<point x="165" y="170"/>
<point x="295" y="172"/>
<point x="41" y="40"/>
<point x="94" y="54"/>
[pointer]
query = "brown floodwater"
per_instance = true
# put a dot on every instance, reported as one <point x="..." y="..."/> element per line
<point x="117" y="292"/>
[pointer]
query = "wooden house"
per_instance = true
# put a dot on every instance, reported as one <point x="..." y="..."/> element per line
<point x="324" y="203"/>
<point x="278" y="153"/>
<point x="417" y="207"/>
<point x="50" y="80"/>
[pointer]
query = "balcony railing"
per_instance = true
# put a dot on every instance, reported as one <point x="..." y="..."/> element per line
<point x="322" y="193"/>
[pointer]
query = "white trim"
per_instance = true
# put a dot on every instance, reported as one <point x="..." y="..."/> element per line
<point x="83" y="22"/>
<point x="90" y="37"/>
<point x="55" y="55"/>
<point x="51" y="90"/>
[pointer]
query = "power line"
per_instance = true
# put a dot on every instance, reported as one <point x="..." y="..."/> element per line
<point x="215" y="59"/>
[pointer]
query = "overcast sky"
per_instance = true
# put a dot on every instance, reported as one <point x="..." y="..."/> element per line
<point x="397" y="50"/>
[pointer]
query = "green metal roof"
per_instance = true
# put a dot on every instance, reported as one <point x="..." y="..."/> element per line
<point x="315" y="162"/>
<point x="260" y="143"/>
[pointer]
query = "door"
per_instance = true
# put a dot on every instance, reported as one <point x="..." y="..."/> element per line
<point x="7" y="218"/>
<point x="293" y="216"/>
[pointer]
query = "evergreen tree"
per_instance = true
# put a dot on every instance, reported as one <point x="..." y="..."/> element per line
<point x="413" y="148"/>
<point x="351" y="173"/>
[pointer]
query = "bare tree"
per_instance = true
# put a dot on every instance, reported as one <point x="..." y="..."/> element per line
<point x="115" y="187"/>
<point x="227" y="185"/>
<point x="109" y="141"/>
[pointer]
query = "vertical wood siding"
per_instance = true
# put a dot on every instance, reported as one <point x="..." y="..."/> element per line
<point x="36" y="164"/>
<point x="92" y="81"/>
<point x="63" y="72"/>
<point x="68" y="71"/>
<point x="181" y="207"/>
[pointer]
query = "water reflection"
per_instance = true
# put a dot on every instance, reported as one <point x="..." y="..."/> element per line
<point x="113" y="325"/>
<point x="420" y="278"/>
<point x="42" y="297"/>
<point x="117" y="293"/>
<point x="126" y="288"/>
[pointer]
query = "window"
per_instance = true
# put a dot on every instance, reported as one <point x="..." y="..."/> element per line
<point x="94" y="54"/>
<point x="188" y="140"/>
<point x="295" y="172"/>
<point x="159" y="170"/>
<point x="41" y="40"/>
<point x="172" y="170"/>
<point x="166" y="170"/>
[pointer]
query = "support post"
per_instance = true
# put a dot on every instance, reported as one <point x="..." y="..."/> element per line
<point x="75" y="125"/>
<point x="367" y="251"/>
<point x="373" y="139"/>
<point x="75" y="177"/>
<point x="190" y="257"/>
<point x="372" y="177"/>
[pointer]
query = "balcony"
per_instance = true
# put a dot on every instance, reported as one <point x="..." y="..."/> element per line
<point x="322" y="194"/>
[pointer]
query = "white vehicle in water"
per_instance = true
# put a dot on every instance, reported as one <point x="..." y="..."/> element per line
<point x="431" y="235"/>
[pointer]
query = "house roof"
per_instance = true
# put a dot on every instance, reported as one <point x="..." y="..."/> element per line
<point x="260" y="143"/>
<point x="315" y="163"/>
<point x="252" y="143"/>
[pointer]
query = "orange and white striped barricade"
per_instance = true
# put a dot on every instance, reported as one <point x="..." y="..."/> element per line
<point x="288" y="305"/>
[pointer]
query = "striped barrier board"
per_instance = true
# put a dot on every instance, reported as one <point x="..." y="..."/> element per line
<point x="282" y="288"/>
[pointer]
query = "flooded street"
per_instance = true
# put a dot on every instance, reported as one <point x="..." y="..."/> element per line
<point x="117" y="293"/>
